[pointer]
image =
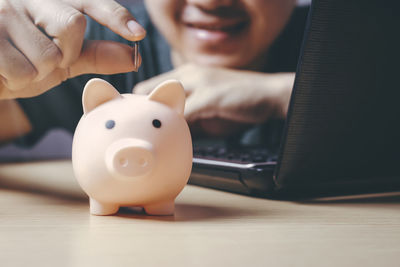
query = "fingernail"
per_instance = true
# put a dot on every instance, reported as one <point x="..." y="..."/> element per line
<point x="136" y="29"/>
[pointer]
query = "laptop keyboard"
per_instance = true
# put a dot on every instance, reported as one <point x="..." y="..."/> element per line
<point x="243" y="155"/>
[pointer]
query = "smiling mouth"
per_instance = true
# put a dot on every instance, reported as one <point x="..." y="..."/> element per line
<point x="233" y="28"/>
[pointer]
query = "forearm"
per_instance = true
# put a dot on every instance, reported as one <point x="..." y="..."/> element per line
<point x="13" y="121"/>
<point x="219" y="96"/>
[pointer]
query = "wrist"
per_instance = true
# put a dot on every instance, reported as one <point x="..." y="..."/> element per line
<point x="283" y="91"/>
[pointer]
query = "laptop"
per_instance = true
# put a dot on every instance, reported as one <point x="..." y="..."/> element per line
<point x="342" y="132"/>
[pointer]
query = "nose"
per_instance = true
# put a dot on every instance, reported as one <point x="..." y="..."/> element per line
<point x="129" y="158"/>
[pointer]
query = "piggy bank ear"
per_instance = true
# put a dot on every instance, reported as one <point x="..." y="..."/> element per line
<point x="97" y="92"/>
<point x="170" y="93"/>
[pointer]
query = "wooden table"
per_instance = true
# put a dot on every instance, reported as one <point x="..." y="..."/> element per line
<point x="44" y="221"/>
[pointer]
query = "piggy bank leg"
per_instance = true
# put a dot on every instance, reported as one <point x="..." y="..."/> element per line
<point x="97" y="208"/>
<point x="163" y="208"/>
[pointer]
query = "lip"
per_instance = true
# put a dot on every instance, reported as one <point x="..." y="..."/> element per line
<point x="216" y="31"/>
<point x="216" y="24"/>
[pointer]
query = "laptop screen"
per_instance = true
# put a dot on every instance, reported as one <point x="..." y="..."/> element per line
<point x="343" y="122"/>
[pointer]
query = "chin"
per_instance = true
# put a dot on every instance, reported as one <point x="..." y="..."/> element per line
<point x="217" y="60"/>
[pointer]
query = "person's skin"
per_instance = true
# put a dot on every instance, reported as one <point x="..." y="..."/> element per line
<point x="223" y="101"/>
<point x="219" y="50"/>
<point x="224" y="33"/>
<point x="41" y="45"/>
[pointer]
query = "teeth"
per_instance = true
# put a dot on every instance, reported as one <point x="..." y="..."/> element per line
<point x="205" y="27"/>
<point x="212" y="28"/>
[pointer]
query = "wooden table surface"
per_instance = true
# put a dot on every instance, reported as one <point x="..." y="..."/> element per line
<point x="44" y="221"/>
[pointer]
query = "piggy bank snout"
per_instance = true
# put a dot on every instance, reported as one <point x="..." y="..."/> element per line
<point x="129" y="158"/>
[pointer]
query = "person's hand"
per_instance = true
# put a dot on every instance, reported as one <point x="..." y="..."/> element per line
<point x="41" y="43"/>
<point x="222" y="101"/>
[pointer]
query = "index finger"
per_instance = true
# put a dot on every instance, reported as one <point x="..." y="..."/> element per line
<point x="114" y="16"/>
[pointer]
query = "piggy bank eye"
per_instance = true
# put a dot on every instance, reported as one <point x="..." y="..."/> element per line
<point x="110" y="124"/>
<point x="156" y="123"/>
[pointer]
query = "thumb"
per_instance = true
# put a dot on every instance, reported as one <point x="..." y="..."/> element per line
<point x="103" y="57"/>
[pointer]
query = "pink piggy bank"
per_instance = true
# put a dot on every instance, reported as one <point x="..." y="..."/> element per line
<point x="132" y="150"/>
